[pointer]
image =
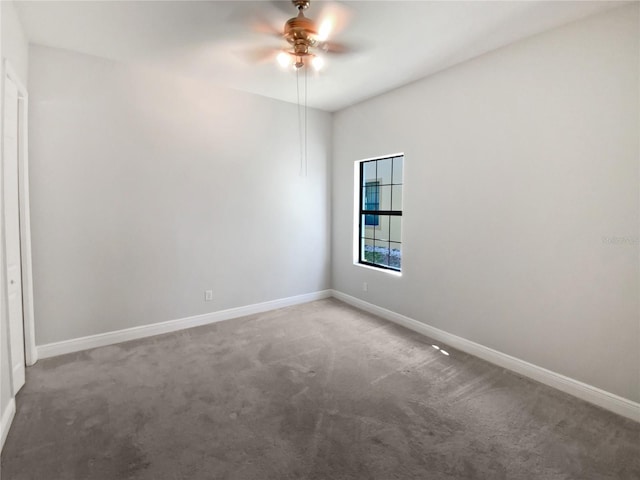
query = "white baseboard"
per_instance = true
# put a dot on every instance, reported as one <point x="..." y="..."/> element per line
<point x="589" y="393"/>
<point x="7" y="418"/>
<point x="118" y="336"/>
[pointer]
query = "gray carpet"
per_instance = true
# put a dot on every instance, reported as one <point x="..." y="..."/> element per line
<point x="316" y="391"/>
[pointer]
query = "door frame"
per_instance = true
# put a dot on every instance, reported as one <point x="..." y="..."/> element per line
<point x="30" y="351"/>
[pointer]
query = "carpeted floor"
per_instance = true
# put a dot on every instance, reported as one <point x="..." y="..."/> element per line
<point x="316" y="391"/>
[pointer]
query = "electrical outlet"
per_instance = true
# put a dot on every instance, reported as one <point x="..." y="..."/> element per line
<point x="365" y="287"/>
<point x="208" y="295"/>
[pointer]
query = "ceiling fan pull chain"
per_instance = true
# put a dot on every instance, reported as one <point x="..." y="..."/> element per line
<point x="306" y="89"/>
<point x="300" y="134"/>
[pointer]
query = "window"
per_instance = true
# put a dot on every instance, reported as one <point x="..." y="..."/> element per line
<point x="380" y="212"/>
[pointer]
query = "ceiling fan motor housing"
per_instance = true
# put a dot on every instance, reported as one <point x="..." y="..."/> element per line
<point x="301" y="33"/>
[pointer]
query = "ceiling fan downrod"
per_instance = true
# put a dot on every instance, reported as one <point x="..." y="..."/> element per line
<point x="301" y="4"/>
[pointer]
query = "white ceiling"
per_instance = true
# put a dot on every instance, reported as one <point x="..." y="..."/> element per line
<point x="398" y="41"/>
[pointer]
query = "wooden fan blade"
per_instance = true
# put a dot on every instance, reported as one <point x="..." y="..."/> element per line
<point x="258" y="19"/>
<point x="332" y="18"/>
<point x="263" y="25"/>
<point x="335" y="47"/>
<point x="260" y="54"/>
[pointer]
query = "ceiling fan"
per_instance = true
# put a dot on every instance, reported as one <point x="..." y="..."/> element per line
<point x="307" y="38"/>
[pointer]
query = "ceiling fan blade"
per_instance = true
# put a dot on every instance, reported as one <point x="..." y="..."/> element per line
<point x="332" y="19"/>
<point x="336" y="47"/>
<point x="261" y="24"/>
<point x="259" y="20"/>
<point x="260" y="54"/>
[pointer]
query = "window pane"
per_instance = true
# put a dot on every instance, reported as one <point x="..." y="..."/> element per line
<point x="395" y="255"/>
<point x="396" y="229"/>
<point x="371" y="196"/>
<point x="372" y="221"/>
<point x="369" y="171"/>
<point x="397" y="169"/>
<point x="385" y="197"/>
<point x="382" y="232"/>
<point x="369" y="222"/>
<point x="396" y="202"/>
<point x="381" y="253"/>
<point x="384" y="171"/>
<point x="367" y="253"/>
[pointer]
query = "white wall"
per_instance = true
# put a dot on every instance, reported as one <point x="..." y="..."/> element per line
<point x="517" y="165"/>
<point x="148" y="188"/>
<point x="5" y="358"/>
<point x="14" y="47"/>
